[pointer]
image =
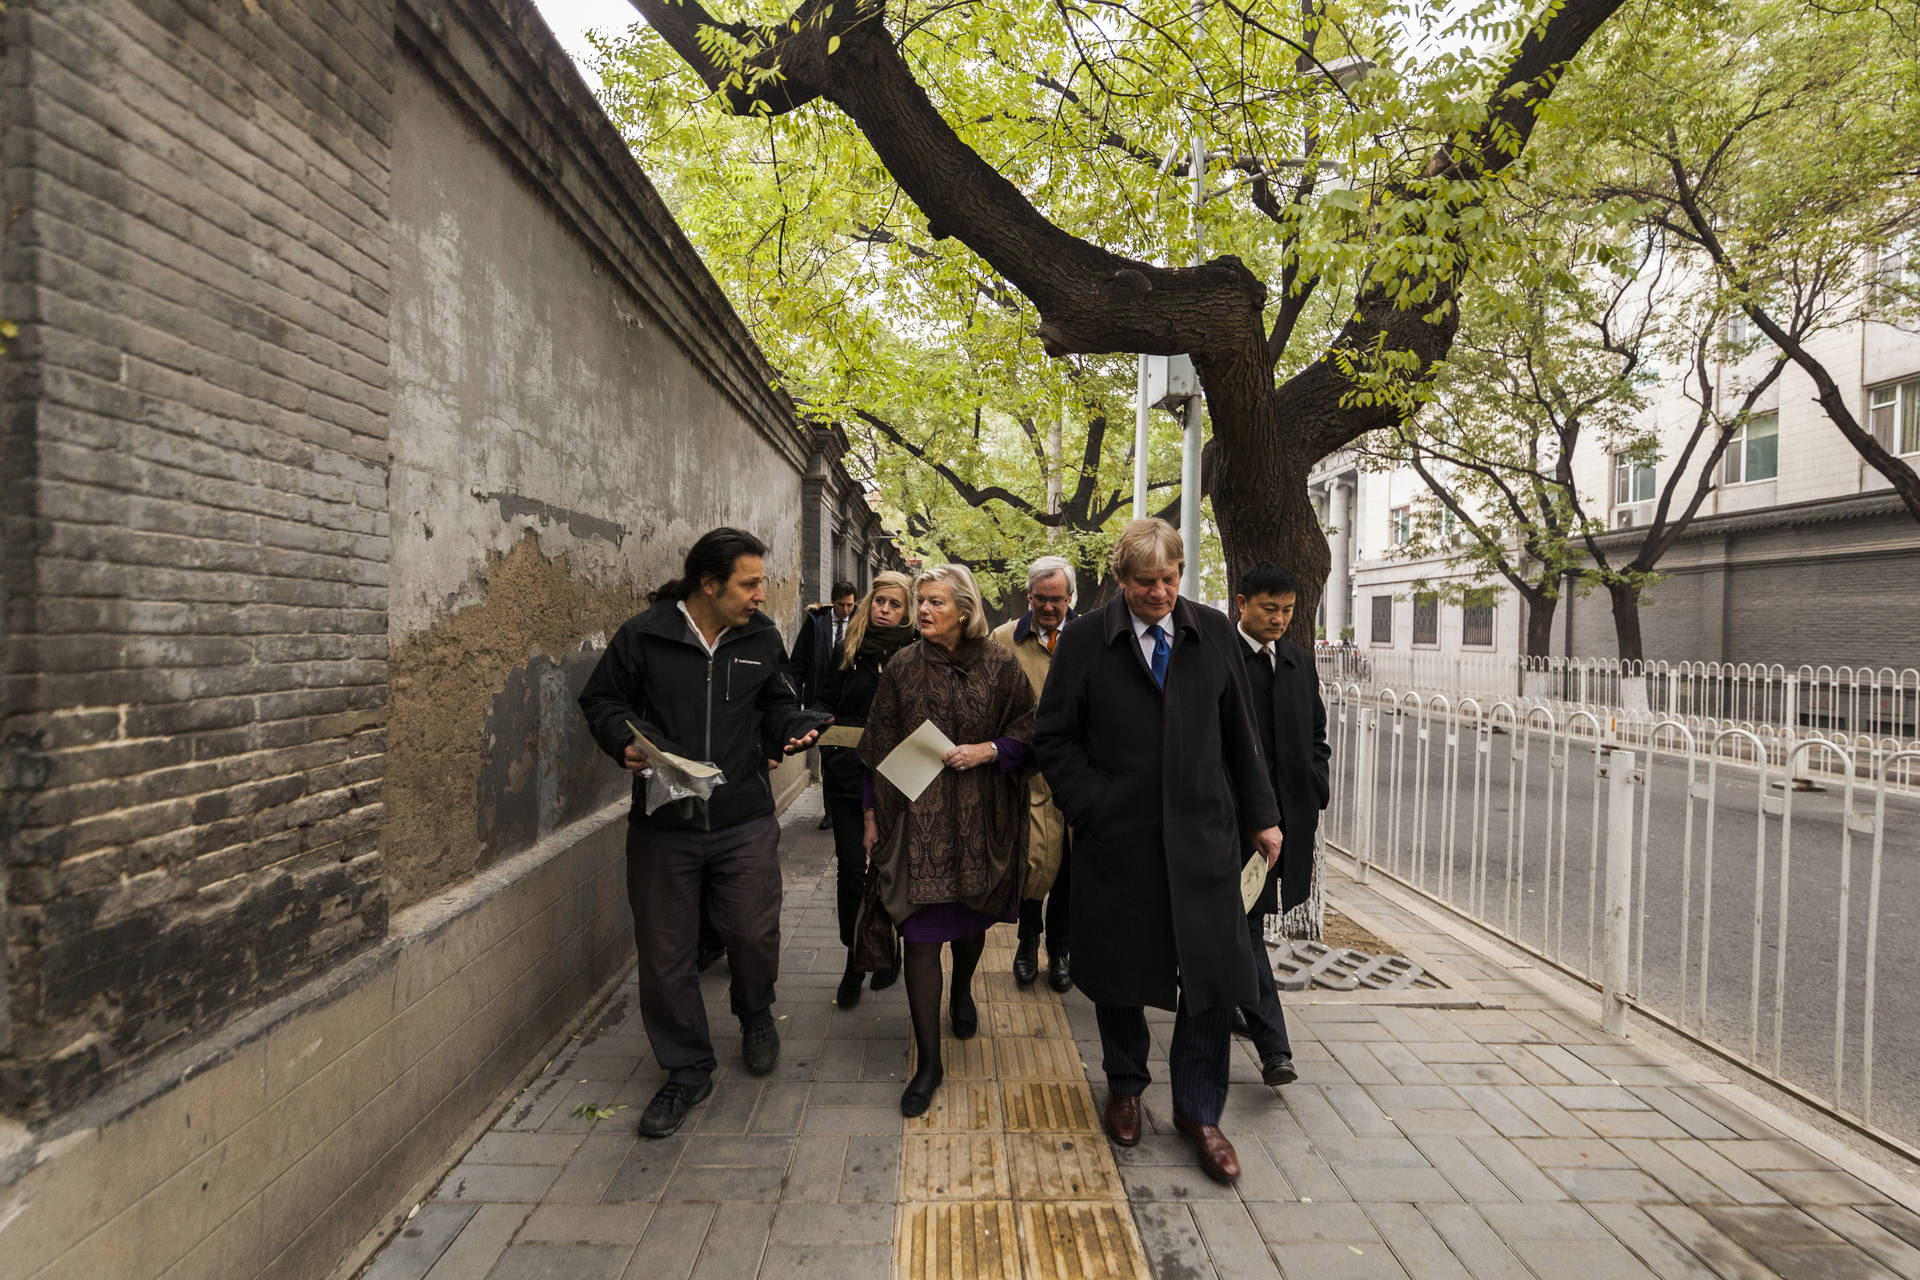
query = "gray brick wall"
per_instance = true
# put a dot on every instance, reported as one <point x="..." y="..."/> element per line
<point x="196" y="536"/>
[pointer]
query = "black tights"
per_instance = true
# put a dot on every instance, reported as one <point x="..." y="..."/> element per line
<point x="923" y="999"/>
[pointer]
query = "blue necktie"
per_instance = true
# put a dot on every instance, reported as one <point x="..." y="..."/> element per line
<point x="1160" y="651"/>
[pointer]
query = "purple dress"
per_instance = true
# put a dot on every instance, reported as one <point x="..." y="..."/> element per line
<point x="950" y="921"/>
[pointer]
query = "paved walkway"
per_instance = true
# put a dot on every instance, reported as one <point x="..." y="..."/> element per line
<point x="1431" y="1138"/>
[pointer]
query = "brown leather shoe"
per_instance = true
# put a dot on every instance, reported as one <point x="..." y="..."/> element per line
<point x="1123" y="1118"/>
<point x="1217" y="1159"/>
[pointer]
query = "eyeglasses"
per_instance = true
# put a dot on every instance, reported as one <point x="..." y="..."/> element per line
<point x="1047" y="600"/>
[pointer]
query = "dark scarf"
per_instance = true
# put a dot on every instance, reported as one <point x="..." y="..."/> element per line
<point x="962" y="657"/>
<point x="881" y="643"/>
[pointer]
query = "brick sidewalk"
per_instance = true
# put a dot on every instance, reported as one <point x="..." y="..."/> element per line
<point x="1420" y="1141"/>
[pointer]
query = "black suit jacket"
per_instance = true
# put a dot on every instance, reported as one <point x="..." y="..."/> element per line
<point x="1296" y="753"/>
<point x="1162" y="788"/>
<point x="813" y="660"/>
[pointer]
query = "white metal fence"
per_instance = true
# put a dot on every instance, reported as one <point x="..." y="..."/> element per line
<point x="1863" y="710"/>
<point x="1674" y="866"/>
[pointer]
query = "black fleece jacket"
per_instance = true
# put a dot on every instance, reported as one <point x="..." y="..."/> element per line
<point x="726" y="709"/>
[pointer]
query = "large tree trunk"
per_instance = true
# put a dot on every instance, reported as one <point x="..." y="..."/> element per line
<point x="1261" y="504"/>
<point x="1626" y="620"/>
<point x="1541" y="607"/>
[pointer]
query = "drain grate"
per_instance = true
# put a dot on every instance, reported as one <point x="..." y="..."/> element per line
<point x="1298" y="965"/>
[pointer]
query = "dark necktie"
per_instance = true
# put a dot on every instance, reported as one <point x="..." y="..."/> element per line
<point x="1161" y="648"/>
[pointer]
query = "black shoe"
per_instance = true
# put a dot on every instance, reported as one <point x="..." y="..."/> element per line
<point x="966" y="1016"/>
<point x="704" y="957"/>
<point x="1059" y="977"/>
<point x="826" y="822"/>
<point x="919" y="1094"/>
<point x="848" y="994"/>
<point x="1026" y="962"/>
<point x="884" y="978"/>
<point x="759" y="1044"/>
<point x="668" y="1110"/>
<point x="1241" y="1027"/>
<point x="1278" y="1070"/>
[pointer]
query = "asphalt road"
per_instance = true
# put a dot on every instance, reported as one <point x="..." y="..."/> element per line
<point x="1515" y="834"/>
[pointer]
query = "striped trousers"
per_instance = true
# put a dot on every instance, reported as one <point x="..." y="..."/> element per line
<point x="1197" y="1058"/>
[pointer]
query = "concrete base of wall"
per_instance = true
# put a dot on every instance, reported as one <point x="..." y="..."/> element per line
<point x="273" y="1148"/>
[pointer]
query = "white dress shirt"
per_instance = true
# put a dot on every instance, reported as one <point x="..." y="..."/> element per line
<point x="698" y="638"/>
<point x="1257" y="647"/>
<point x="1143" y="632"/>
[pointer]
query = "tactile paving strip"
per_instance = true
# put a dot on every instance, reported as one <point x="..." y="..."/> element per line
<point x="957" y="1242"/>
<point x="1009" y="1174"/>
<point x="1081" y="1242"/>
<point x="1029" y="1105"/>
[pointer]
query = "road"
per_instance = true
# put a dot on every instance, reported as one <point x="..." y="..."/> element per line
<point x="1551" y="861"/>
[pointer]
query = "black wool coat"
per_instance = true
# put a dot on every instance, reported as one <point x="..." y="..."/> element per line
<point x="1162" y="789"/>
<point x="1294" y="740"/>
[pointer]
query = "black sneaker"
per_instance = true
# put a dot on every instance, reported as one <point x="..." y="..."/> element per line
<point x="760" y="1044"/>
<point x="668" y="1110"/>
<point x="1278" y="1070"/>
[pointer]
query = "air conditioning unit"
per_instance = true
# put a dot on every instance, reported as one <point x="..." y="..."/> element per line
<point x="1170" y="381"/>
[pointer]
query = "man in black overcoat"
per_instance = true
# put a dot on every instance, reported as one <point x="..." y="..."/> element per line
<point x="1146" y="735"/>
<point x="1293" y="739"/>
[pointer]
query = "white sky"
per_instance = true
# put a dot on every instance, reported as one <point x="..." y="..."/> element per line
<point x="572" y="19"/>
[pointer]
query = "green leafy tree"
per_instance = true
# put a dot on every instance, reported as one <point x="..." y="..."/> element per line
<point x="1780" y="142"/>
<point x="1037" y="152"/>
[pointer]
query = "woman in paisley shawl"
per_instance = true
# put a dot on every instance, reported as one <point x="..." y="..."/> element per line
<point x="948" y="864"/>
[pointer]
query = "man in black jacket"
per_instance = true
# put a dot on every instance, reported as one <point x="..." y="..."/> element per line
<point x="702" y="674"/>
<point x="1293" y="737"/>
<point x="816" y="652"/>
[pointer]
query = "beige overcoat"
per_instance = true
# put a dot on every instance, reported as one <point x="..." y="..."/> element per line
<point x="1047" y="830"/>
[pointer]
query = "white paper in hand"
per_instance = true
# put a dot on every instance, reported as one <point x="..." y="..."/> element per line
<point x="917" y="761"/>
<point x="1252" y="877"/>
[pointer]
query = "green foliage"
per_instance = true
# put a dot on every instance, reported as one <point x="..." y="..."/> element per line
<point x="1321" y="138"/>
<point x="598" y="1110"/>
<point x="8" y="332"/>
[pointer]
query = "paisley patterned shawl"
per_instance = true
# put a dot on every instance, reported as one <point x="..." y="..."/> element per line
<point x="965" y="839"/>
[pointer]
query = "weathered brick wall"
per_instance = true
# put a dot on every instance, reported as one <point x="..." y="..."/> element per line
<point x="196" y="540"/>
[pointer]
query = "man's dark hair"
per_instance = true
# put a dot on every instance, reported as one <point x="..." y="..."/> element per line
<point x="842" y="588"/>
<point x="1266" y="579"/>
<point x="713" y="556"/>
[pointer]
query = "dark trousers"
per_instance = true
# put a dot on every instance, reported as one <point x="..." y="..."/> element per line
<point x="1268" y="1023"/>
<point x="739" y="867"/>
<point x="1054" y="916"/>
<point x="1197" y="1059"/>
<point x="850" y="861"/>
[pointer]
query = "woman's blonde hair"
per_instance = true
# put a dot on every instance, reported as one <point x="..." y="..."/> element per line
<point x="958" y="579"/>
<point x="1144" y="544"/>
<point x="891" y="579"/>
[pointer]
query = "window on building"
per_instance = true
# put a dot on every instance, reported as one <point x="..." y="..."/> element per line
<point x="1400" y="526"/>
<point x="1476" y="620"/>
<point x="1740" y="329"/>
<point x="1632" y="480"/>
<point x="1754" y="451"/>
<point x="1893" y="415"/>
<point x="1383" y="619"/>
<point x="1426" y="618"/>
<point x="1898" y="264"/>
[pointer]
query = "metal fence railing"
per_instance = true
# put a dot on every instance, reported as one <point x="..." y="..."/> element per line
<point x="1862" y="710"/>
<point x="1675" y="867"/>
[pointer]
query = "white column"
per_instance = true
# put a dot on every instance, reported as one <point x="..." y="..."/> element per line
<point x="1340" y="543"/>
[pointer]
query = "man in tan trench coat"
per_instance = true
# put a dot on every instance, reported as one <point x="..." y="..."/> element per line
<point x="1050" y="597"/>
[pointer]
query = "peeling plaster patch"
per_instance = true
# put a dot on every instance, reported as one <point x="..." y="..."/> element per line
<point x="578" y="523"/>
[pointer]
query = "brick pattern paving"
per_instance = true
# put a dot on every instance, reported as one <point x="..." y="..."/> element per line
<point x="1420" y="1143"/>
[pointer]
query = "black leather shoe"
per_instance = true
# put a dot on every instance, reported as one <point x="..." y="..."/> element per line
<point x="1059" y="977"/>
<point x="1241" y="1027"/>
<point x="966" y="1016"/>
<point x="1278" y="1070"/>
<point x="759" y="1044"/>
<point x="848" y="994"/>
<point x="826" y="822"/>
<point x="884" y="978"/>
<point x="668" y="1110"/>
<point x="704" y="957"/>
<point x="1026" y="962"/>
